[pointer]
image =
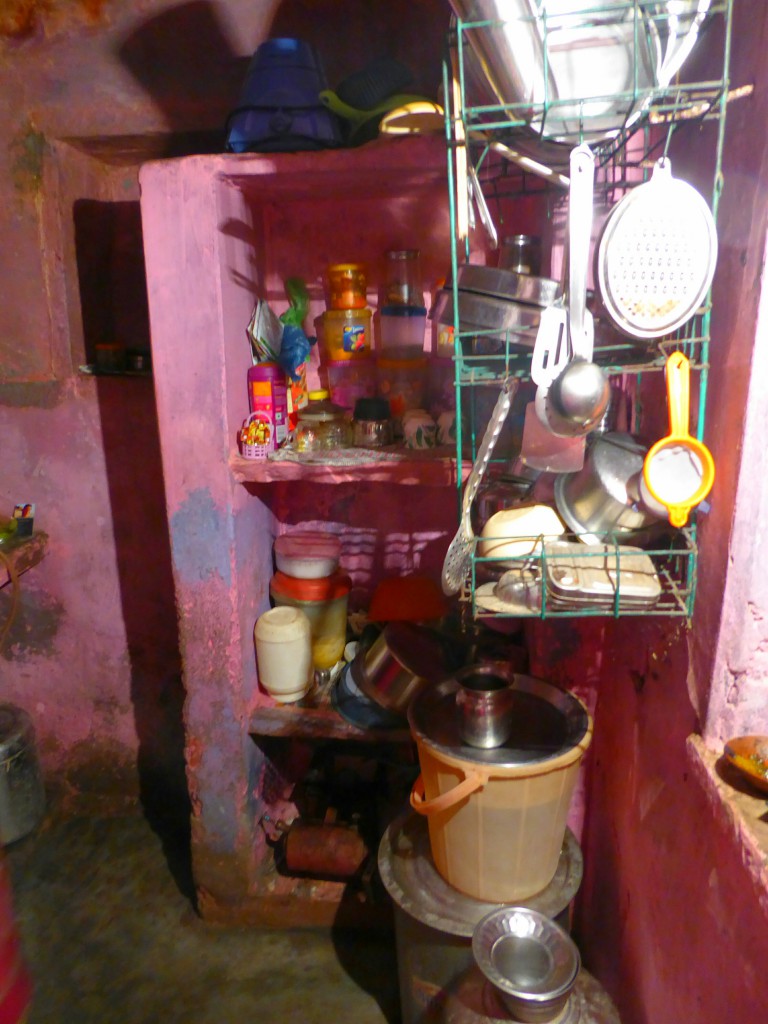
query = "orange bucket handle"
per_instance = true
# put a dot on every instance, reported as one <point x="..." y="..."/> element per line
<point x="473" y="781"/>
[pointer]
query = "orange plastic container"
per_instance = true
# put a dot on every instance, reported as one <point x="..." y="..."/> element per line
<point x="347" y="286"/>
<point x="346" y="334"/>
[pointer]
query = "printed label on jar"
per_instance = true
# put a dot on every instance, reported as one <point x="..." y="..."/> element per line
<point x="353" y="339"/>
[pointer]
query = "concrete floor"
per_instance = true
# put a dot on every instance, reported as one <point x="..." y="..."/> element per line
<point x="103" y="903"/>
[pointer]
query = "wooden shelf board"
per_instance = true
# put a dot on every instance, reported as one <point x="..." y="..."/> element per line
<point x="290" y="721"/>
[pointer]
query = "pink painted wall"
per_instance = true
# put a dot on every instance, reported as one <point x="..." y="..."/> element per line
<point x="92" y="89"/>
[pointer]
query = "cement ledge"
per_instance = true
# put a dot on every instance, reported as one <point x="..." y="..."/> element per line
<point x="741" y="809"/>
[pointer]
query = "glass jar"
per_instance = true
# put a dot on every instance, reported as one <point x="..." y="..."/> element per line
<point x="403" y="280"/>
<point x="322" y="425"/>
<point x="324" y="602"/>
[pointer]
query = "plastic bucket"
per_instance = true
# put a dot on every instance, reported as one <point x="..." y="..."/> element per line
<point x="497" y="817"/>
<point x="15" y="983"/>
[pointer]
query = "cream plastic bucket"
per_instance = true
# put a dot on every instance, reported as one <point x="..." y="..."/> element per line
<point x="497" y="817"/>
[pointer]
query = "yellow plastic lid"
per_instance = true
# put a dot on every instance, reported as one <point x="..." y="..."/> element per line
<point x="319" y="396"/>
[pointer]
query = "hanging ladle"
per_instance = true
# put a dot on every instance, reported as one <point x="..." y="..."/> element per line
<point x="678" y="470"/>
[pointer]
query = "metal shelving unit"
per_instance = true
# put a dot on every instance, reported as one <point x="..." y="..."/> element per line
<point x="649" y="115"/>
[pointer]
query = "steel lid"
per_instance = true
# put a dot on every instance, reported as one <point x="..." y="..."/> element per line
<point x="547" y="722"/>
<point x="412" y="880"/>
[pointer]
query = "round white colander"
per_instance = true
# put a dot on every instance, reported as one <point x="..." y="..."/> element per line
<point x="657" y="255"/>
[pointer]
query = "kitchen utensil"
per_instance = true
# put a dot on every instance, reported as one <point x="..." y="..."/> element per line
<point x="497" y="323"/>
<point x="460" y="151"/>
<point x="356" y="708"/>
<point x="485" y="703"/>
<point x="679" y="469"/>
<point x="401" y="661"/>
<point x="22" y="793"/>
<point x="657" y="255"/>
<point x="561" y="450"/>
<point x="506" y="284"/>
<point x="603" y="497"/>
<point x="596" y="55"/>
<point x="749" y="755"/>
<point x="434" y="921"/>
<point x="459" y="555"/>
<point x="680" y="21"/>
<point x="476" y="191"/>
<point x="516" y="533"/>
<point x="532" y="962"/>
<point x="599" y="576"/>
<point x="577" y="399"/>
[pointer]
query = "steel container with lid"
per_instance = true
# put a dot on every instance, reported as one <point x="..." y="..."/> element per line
<point x="497" y="816"/>
<point x="434" y="922"/>
<point x="22" y="795"/>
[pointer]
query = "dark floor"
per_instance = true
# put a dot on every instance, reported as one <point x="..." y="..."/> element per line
<point x="111" y="937"/>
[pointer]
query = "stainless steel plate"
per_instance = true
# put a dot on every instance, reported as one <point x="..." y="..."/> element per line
<point x="506" y="284"/>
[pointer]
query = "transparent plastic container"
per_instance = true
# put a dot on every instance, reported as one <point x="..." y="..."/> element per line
<point x="401" y="331"/>
<point x="324" y="602"/>
<point x="322" y="425"/>
<point x="403" y="278"/>
<point x="403" y="382"/>
<point x="350" y="380"/>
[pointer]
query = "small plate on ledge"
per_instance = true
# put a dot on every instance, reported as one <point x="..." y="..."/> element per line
<point x="749" y="756"/>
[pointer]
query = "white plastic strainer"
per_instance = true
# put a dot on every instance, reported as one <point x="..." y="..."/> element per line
<point x="657" y="255"/>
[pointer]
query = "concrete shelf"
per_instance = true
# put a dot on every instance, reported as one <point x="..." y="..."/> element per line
<point x="430" y="468"/>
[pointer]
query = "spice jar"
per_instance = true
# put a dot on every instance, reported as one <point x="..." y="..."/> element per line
<point x="322" y="425"/>
<point x="372" y="427"/>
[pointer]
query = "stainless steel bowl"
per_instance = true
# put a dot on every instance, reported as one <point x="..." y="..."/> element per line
<point x="530" y="961"/>
<point x="501" y="319"/>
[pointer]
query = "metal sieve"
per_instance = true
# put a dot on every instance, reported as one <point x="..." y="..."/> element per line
<point x="657" y="255"/>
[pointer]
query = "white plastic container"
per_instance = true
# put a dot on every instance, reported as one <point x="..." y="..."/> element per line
<point x="401" y="331"/>
<point x="307" y="554"/>
<point x="283" y="639"/>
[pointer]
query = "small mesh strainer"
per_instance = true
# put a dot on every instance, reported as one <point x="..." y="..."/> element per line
<point x="657" y="255"/>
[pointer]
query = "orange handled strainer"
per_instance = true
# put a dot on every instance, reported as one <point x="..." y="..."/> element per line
<point x="679" y="470"/>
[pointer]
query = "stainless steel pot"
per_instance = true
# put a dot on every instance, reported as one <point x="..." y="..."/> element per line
<point x="402" y="660"/>
<point x="22" y="796"/>
<point x="603" y="497"/>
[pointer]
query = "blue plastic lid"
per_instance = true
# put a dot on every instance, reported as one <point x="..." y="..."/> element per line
<point x="403" y="310"/>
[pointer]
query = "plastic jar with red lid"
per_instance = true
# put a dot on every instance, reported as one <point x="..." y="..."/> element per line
<point x="324" y="602"/>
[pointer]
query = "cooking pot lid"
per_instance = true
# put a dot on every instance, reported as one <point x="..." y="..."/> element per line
<point x="546" y="722"/>
<point x="408" y="872"/>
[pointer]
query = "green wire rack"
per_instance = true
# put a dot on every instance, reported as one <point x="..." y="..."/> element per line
<point x="649" y="116"/>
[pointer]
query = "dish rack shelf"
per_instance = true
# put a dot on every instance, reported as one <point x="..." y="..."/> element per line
<point x="540" y="133"/>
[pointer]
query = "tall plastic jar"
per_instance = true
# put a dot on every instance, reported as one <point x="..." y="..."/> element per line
<point x="324" y="602"/>
<point x="401" y="331"/>
<point x="283" y="639"/>
<point x="346" y="334"/>
<point x="350" y="379"/>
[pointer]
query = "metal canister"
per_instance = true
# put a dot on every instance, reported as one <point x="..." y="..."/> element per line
<point x="434" y="922"/>
<point x="22" y="795"/>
